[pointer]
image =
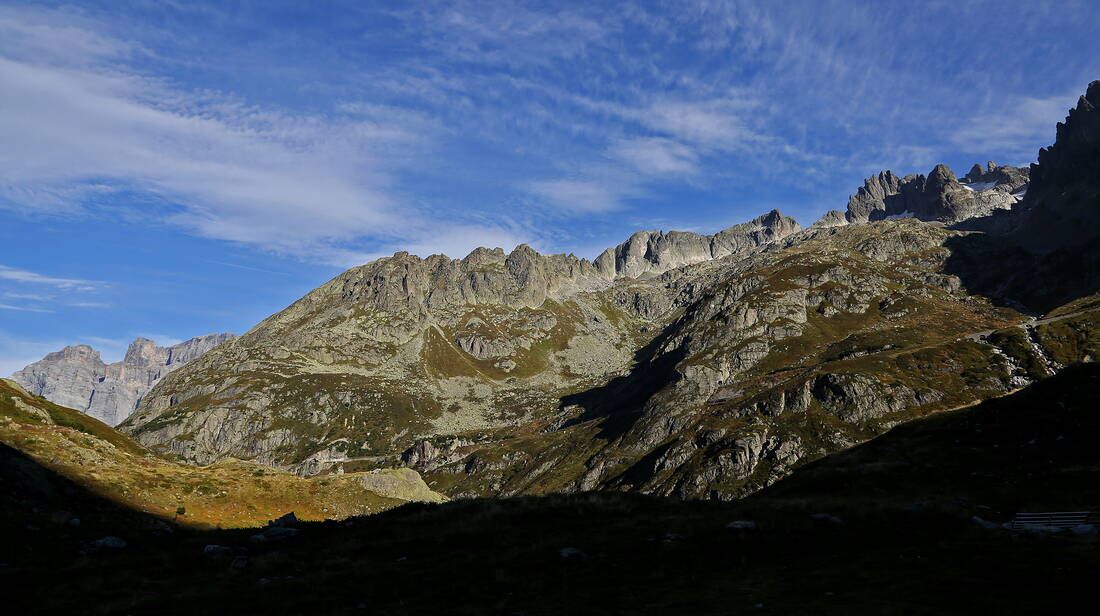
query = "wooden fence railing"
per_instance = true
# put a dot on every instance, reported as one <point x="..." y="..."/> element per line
<point x="1056" y="519"/>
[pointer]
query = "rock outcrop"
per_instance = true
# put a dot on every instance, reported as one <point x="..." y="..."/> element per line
<point x="76" y="377"/>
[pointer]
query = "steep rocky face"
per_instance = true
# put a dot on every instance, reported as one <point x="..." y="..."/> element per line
<point x="873" y="196"/>
<point x="940" y="196"/>
<point x="1075" y="155"/>
<point x="64" y="377"/>
<point x="1046" y="251"/>
<point x="1062" y="208"/>
<point x="77" y="378"/>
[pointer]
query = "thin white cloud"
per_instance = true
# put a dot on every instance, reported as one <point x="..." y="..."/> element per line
<point x="246" y="177"/>
<point x="714" y="123"/>
<point x="28" y="277"/>
<point x="34" y="297"/>
<point x="23" y="308"/>
<point x="297" y="184"/>
<point x="56" y="36"/>
<point x="580" y="195"/>
<point x="511" y="33"/>
<point x="657" y="155"/>
<point x="1017" y="128"/>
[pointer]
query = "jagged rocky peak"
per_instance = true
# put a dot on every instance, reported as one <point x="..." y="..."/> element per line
<point x="525" y="277"/>
<point x="872" y="196"/>
<point x="407" y="282"/>
<point x="939" y="196"/>
<point x="1003" y="178"/>
<point x="143" y="352"/>
<point x="941" y="178"/>
<point x="649" y="253"/>
<point x="1062" y="205"/>
<point x="1075" y="154"/>
<point x="979" y="174"/>
<point x="76" y="352"/>
<point x="76" y="376"/>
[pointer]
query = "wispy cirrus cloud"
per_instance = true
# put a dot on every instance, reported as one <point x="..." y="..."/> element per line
<point x="34" y="278"/>
<point x="657" y="155"/>
<point x="230" y="173"/>
<point x="49" y="294"/>
<point x="717" y="124"/>
<point x="581" y="195"/>
<point x="23" y="308"/>
<point x="78" y="133"/>
<point x="1013" y="126"/>
<point x="588" y="107"/>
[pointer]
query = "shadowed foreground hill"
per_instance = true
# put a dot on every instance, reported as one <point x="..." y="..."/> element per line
<point x="897" y="537"/>
<point x="230" y="493"/>
<point x="1031" y="451"/>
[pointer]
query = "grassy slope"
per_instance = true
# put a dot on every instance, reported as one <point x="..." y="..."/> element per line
<point x="643" y="554"/>
<point x="230" y="493"/>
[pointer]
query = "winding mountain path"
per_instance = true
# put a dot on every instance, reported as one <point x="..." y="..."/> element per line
<point x="1031" y="323"/>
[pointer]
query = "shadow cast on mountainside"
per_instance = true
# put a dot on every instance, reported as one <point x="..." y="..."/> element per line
<point x="1031" y="450"/>
<point x="620" y="401"/>
<point x="38" y="503"/>
<point x="990" y="264"/>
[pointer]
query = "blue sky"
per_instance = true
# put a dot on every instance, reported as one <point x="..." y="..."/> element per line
<point x="169" y="169"/>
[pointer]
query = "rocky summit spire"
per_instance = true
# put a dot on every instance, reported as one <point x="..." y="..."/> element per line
<point x="1076" y="150"/>
<point x="939" y="196"/>
<point x="1062" y="206"/>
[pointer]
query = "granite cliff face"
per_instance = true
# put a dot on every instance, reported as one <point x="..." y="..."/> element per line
<point x="76" y="377"/>
<point x="675" y="363"/>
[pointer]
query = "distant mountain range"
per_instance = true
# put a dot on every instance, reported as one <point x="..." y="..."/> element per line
<point x="76" y="377"/>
